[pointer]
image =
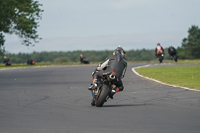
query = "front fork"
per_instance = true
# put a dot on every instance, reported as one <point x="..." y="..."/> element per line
<point x="93" y="96"/>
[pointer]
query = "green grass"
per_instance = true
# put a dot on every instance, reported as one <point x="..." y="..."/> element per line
<point x="196" y="61"/>
<point x="185" y="61"/>
<point x="184" y="76"/>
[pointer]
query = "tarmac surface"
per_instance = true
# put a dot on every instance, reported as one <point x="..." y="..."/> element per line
<point x="56" y="100"/>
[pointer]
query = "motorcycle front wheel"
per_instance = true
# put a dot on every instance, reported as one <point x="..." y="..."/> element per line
<point x="105" y="91"/>
<point x="160" y="59"/>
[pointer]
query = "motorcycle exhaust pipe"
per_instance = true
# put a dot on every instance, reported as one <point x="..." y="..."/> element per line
<point x="112" y="76"/>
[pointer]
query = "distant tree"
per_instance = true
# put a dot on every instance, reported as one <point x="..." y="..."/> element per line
<point x="1" y="44"/>
<point x="21" y="18"/>
<point x="140" y="55"/>
<point x="191" y="45"/>
<point x="61" y="59"/>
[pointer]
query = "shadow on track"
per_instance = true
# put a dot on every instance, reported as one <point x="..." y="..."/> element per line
<point x="126" y="105"/>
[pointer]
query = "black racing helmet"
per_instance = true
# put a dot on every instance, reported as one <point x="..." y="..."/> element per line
<point x="120" y="50"/>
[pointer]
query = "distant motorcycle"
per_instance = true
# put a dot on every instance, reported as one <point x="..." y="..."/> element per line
<point x="83" y="60"/>
<point x="30" y="62"/>
<point x="160" y="56"/>
<point x="101" y="94"/>
<point x="7" y="62"/>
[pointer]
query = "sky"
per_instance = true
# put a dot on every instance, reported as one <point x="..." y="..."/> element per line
<point x="70" y="25"/>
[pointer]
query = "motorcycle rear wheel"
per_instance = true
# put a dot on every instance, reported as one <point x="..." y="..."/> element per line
<point x="160" y="59"/>
<point x="103" y="95"/>
<point x="175" y="58"/>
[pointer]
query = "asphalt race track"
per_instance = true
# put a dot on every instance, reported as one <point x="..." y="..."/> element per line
<point x="56" y="100"/>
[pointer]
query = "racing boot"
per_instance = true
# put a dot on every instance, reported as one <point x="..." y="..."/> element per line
<point x="112" y="94"/>
<point x="115" y="90"/>
<point x="94" y="85"/>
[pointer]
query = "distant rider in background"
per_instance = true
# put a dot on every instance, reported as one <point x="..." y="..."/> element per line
<point x="7" y="61"/>
<point x="172" y="51"/>
<point x="30" y="62"/>
<point x="83" y="60"/>
<point x="115" y="63"/>
<point x="158" y="50"/>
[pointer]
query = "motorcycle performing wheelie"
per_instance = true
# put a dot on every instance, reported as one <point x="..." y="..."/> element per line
<point x="107" y="78"/>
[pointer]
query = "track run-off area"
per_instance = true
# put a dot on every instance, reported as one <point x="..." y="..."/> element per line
<point x="163" y="64"/>
<point x="55" y="99"/>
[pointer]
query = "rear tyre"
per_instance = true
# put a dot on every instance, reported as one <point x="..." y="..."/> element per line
<point x="103" y="95"/>
<point x="175" y="58"/>
<point x="160" y="59"/>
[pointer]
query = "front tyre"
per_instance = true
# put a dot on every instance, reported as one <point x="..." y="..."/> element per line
<point x="102" y="97"/>
<point x="160" y="59"/>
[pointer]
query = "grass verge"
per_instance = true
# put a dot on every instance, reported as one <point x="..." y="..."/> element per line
<point x="184" y="76"/>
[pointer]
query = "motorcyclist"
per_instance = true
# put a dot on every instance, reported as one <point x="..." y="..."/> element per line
<point x="172" y="51"/>
<point x="115" y="63"/>
<point x="6" y="61"/>
<point x="83" y="60"/>
<point x="159" y="49"/>
<point x="30" y="62"/>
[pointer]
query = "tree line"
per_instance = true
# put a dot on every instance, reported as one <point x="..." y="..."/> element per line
<point x="92" y="56"/>
<point x="189" y="50"/>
